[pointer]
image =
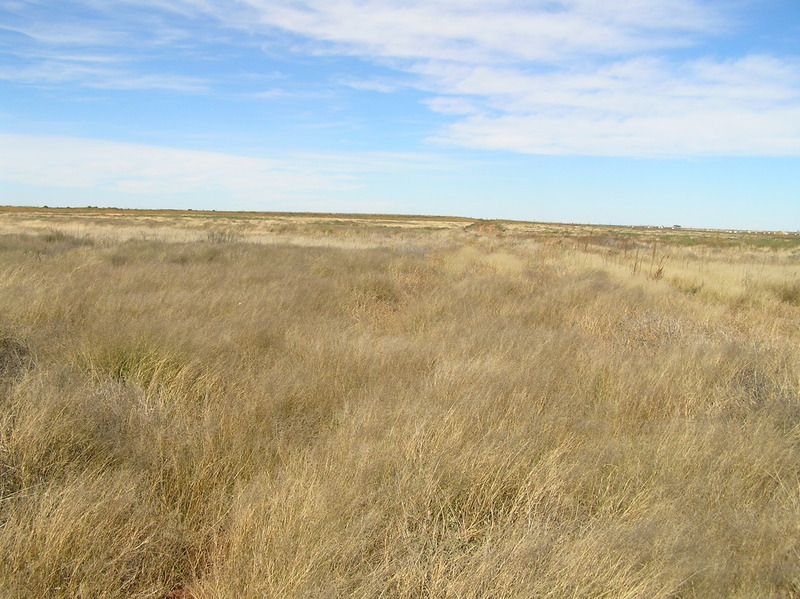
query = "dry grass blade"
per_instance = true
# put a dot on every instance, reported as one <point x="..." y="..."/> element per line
<point x="328" y="406"/>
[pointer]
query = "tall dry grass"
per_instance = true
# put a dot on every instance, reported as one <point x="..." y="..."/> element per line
<point x="443" y="414"/>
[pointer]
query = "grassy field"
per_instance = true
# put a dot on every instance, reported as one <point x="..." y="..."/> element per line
<point x="221" y="405"/>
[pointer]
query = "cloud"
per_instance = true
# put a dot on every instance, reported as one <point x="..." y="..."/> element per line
<point x="452" y="105"/>
<point x="483" y="31"/>
<point x="617" y="78"/>
<point x="101" y="55"/>
<point x="280" y="94"/>
<point x="85" y="73"/>
<point x="67" y="34"/>
<point x="133" y="168"/>
<point x="631" y="108"/>
<point x="467" y="31"/>
<point x="104" y="45"/>
<point x="696" y="133"/>
<point x="569" y="76"/>
<point x="68" y="162"/>
<point x="381" y="85"/>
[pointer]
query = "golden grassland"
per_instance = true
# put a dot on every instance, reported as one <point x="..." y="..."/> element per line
<point x="225" y="406"/>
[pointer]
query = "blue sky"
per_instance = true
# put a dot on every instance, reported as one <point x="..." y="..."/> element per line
<point x="654" y="112"/>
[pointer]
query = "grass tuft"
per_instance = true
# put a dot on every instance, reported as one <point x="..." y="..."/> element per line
<point x="221" y="236"/>
<point x="788" y="292"/>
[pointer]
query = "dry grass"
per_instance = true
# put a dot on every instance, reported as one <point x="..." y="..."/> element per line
<point x="402" y="409"/>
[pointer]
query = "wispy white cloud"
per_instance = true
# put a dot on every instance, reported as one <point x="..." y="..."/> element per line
<point x="630" y="108"/>
<point x="104" y="56"/>
<point x="278" y="93"/>
<point x="68" y="34"/>
<point x="468" y="31"/>
<point x="538" y="76"/>
<point x="381" y="85"/>
<point x="480" y="30"/>
<point x="86" y="74"/>
<point x="452" y="105"/>
<point x="101" y="45"/>
<point x="565" y="76"/>
<point x="85" y="163"/>
<point x="697" y="133"/>
<point x="68" y="162"/>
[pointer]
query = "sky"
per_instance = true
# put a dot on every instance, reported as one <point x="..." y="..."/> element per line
<point x="623" y="112"/>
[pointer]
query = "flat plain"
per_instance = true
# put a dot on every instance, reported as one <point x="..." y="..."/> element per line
<point x="241" y="405"/>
